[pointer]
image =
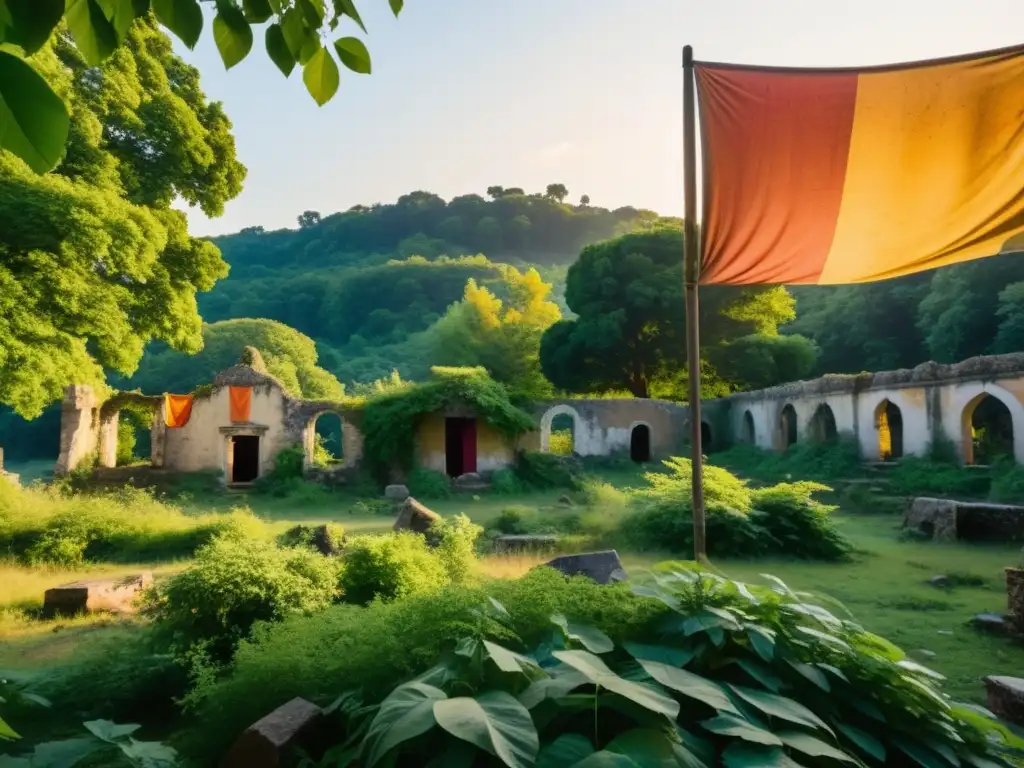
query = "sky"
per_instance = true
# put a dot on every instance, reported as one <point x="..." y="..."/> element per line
<point x="466" y="94"/>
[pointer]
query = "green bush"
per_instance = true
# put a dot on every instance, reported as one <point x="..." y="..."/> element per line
<point x="456" y="547"/>
<point x="832" y="460"/>
<point x="915" y="475"/>
<point x="507" y="483"/>
<point x="1007" y="482"/>
<point x="428" y="484"/>
<point x="390" y="566"/>
<point x="699" y="659"/>
<point x="234" y="583"/>
<point x="543" y="471"/>
<point x="783" y="519"/>
<point x="368" y="507"/>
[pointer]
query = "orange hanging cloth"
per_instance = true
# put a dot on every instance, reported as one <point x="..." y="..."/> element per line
<point x="241" y="403"/>
<point x="177" y="410"/>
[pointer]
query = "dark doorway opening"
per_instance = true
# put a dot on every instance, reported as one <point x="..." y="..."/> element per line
<point x="245" y="458"/>
<point x="788" y="426"/>
<point x="459" y="446"/>
<point x="705" y="436"/>
<point x="991" y="431"/>
<point x="890" y="431"/>
<point x="640" y="444"/>
<point x="823" y="425"/>
<point x="749" y="436"/>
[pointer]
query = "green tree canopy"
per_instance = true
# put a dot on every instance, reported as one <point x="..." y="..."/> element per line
<point x="288" y="355"/>
<point x="630" y="325"/>
<point x="93" y="261"/>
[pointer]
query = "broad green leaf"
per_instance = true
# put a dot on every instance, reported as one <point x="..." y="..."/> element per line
<point x="60" y="754"/>
<point x="745" y="592"/>
<point x="296" y="35"/>
<point x="709" y="618"/>
<point x="813" y="674"/>
<point x="981" y="762"/>
<point x="641" y="748"/>
<point x="780" y="707"/>
<point x="312" y="12"/>
<point x="867" y="707"/>
<point x="407" y="712"/>
<point x="37" y="699"/>
<point x="740" y="755"/>
<point x="561" y="682"/>
<point x="919" y="753"/>
<point x="34" y="122"/>
<point x="495" y="722"/>
<point x="151" y="754"/>
<point x="500" y="609"/>
<point x="278" y="51"/>
<point x="120" y="14"/>
<point x="690" y="685"/>
<point x="834" y="670"/>
<point x="825" y="637"/>
<point x="591" y="638"/>
<point x="468" y="647"/>
<point x="348" y="8"/>
<point x="780" y="585"/>
<point x="815" y="612"/>
<point x="945" y="750"/>
<point x="257" y="11"/>
<point x="738" y="728"/>
<point x="641" y="590"/>
<point x="6" y="732"/>
<point x="676" y="657"/>
<point x="141" y="7"/>
<point x="913" y="666"/>
<point x="321" y="76"/>
<point x="28" y="23"/>
<point x="108" y="731"/>
<point x="762" y="674"/>
<point x="353" y="54"/>
<point x="598" y="673"/>
<point x="94" y="35"/>
<point x="183" y="17"/>
<point x="927" y="690"/>
<point x="865" y="742"/>
<point x="458" y="754"/>
<point x="568" y="749"/>
<point x="232" y="34"/>
<point x="879" y="646"/>
<point x="396" y="6"/>
<point x="809" y="745"/>
<point x="507" y="661"/>
<point x="762" y="641"/>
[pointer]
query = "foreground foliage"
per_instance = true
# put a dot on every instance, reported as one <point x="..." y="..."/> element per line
<point x="741" y="521"/>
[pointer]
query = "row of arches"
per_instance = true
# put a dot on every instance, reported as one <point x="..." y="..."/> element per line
<point x="986" y="429"/>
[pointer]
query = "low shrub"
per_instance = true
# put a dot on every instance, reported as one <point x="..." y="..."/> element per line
<point x="832" y="460"/>
<point x="544" y="471"/>
<point x="507" y="483"/>
<point x="456" y="547"/>
<point x="691" y="669"/>
<point x="783" y="519"/>
<point x="520" y="520"/>
<point x="428" y="484"/>
<point x="915" y="475"/>
<point x="370" y="507"/>
<point x="390" y="566"/>
<point x="234" y="583"/>
<point x="1007" y="483"/>
<point x="320" y="538"/>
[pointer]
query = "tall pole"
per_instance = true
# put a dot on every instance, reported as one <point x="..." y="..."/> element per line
<point x="691" y="271"/>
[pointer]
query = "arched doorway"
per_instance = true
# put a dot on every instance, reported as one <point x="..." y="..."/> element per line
<point x="889" y="423"/>
<point x="134" y="436"/>
<point x="706" y="437"/>
<point x="749" y="436"/>
<point x="562" y="441"/>
<point x="787" y="426"/>
<point x="987" y="430"/>
<point x="326" y="445"/>
<point x="640" y="444"/>
<point x="823" y="425"/>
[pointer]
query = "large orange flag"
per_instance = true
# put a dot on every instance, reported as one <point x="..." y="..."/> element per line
<point x="846" y="176"/>
<point x="241" y="402"/>
<point x="178" y="410"/>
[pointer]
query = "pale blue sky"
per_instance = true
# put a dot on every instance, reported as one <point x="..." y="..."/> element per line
<point x="470" y="93"/>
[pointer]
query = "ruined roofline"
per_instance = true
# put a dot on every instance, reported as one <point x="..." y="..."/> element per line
<point x="983" y="368"/>
<point x="570" y="401"/>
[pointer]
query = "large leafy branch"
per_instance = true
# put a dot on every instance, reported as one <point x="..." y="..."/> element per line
<point x="34" y="120"/>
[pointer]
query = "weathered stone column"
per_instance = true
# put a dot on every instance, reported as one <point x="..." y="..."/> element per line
<point x="108" y="438"/>
<point x="79" y="427"/>
<point x="158" y="436"/>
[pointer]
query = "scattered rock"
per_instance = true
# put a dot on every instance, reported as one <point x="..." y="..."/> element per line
<point x="397" y="493"/>
<point x="603" y="567"/>
<point x="942" y="582"/>
<point x="935" y="518"/>
<point x="925" y="653"/>
<point x="113" y="595"/>
<point x="470" y="482"/>
<point x="267" y="742"/>
<point x="990" y="622"/>
<point x="413" y="516"/>
<point x="326" y="539"/>
<point x="565" y="501"/>
<point x="945" y="631"/>
<point x="1006" y="697"/>
<point x="511" y="544"/>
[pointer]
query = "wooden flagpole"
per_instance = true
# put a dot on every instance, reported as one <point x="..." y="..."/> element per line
<point x="691" y="272"/>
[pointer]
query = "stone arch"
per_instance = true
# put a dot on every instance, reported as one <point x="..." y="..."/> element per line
<point x="748" y="433"/>
<point x="127" y="433"/>
<point x="545" y="426"/>
<point x="332" y="439"/>
<point x="889" y="423"/>
<point x="640" y="442"/>
<point x="822" y="426"/>
<point x="787" y="427"/>
<point x="987" y="429"/>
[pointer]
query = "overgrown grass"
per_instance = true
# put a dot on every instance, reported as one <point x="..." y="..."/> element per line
<point x="824" y="461"/>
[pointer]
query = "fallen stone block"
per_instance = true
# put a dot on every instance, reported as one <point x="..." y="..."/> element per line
<point x="990" y="622"/>
<point x="604" y="567"/>
<point x="413" y="516"/>
<point x="511" y="544"/>
<point x="942" y="582"/>
<point x="396" y="492"/>
<point x="1006" y="697"/>
<point x="270" y="741"/>
<point x="935" y="518"/>
<point x="101" y="595"/>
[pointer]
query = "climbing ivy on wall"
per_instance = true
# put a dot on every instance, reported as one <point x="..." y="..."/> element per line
<point x="390" y="420"/>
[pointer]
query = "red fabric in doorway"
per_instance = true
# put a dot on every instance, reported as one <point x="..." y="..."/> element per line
<point x="469" y="446"/>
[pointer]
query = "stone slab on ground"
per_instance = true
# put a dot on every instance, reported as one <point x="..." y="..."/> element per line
<point x="604" y="567"/>
<point x="396" y="492"/>
<point x="99" y="595"/>
<point x="268" y="742"/>
<point x="512" y="543"/>
<point x="935" y="518"/>
<point x="1006" y="697"/>
<point x="413" y="516"/>
<point x="990" y="622"/>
